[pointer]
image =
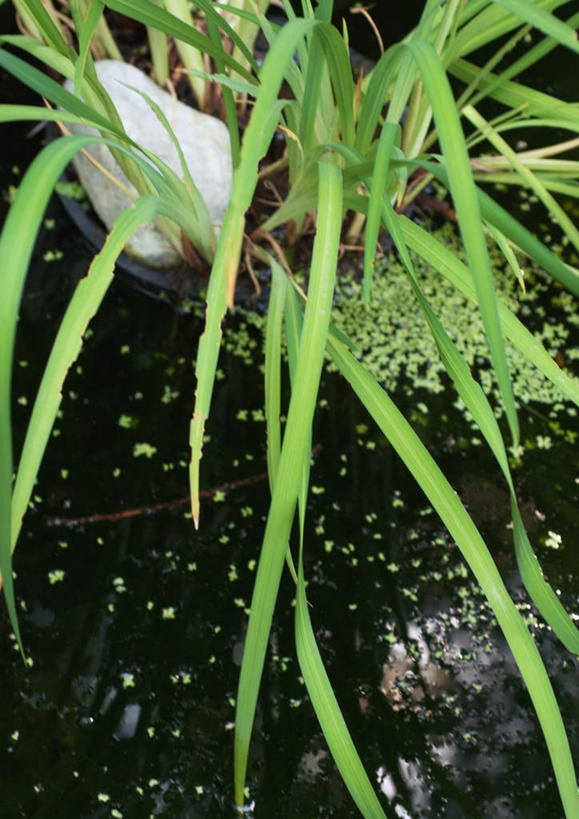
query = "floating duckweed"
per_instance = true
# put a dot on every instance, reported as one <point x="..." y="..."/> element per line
<point x="56" y="576"/>
<point x="127" y="421"/>
<point x="116" y="813"/>
<point x="169" y="395"/>
<point x="544" y="442"/>
<point x="553" y="540"/>
<point x="128" y="679"/>
<point x="103" y="797"/>
<point x="125" y="349"/>
<point x="168" y="613"/>
<point x="395" y="343"/>
<point x="53" y="255"/>
<point x="143" y="448"/>
<point x="219" y="496"/>
<point x="318" y="490"/>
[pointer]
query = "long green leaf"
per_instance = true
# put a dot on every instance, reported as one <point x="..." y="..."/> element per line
<point x="515" y="95"/>
<point x="441" y="495"/>
<point x="16" y="243"/>
<point x="515" y="231"/>
<point x="294" y="452"/>
<point x="223" y="275"/>
<point x="328" y="711"/>
<point x="85" y="36"/>
<point x="464" y="195"/>
<point x="151" y="15"/>
<point x="272" y="375"/>
<point x="525" y="173"/>
<point x="476" y="402"/>
<point x="315" y="678"/>
<point x="47" y="26"/>
<point x="531" y="13"/>
<point x="445" y="262"/>
<point x="389" y="135"/>
<point x="53" y="91"/>
<point x="85" y="302"/>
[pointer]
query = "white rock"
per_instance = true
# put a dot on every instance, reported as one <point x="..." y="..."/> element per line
<point x="204" y="141"/>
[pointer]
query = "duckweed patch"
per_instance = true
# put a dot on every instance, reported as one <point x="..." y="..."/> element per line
<point x="395" y="344"/>
<point x="393" y="340"/>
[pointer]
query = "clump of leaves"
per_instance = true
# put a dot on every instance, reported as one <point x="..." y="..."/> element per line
<point x="352" y="144"/>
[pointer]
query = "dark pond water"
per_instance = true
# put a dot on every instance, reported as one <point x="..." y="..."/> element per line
<point x="135" y="623"/>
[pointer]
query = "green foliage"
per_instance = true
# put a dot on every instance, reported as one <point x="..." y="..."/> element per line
<point x="359" y="146"/>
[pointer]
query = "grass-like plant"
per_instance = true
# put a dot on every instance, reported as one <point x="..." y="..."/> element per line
<point x="365" y="145"/>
